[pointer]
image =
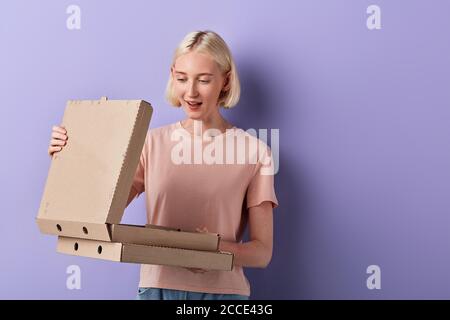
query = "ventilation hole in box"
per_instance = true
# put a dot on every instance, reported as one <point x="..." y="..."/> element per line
<point x="75" y="246"/>
<point x="99" y="249"/>
<point x="85" y="230"/>
<point x="59" y="227"/>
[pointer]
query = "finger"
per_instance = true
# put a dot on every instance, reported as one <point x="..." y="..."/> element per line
<point x="52" y="150"/>
<point x="60" y="129"/>
<point x="55" y="142"/>
<point x="58" y="135"/>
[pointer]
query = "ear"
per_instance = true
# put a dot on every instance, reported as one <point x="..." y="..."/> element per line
<point x="227" y="81"/>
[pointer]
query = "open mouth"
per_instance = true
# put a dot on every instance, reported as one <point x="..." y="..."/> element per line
<point x="194" y="104"/>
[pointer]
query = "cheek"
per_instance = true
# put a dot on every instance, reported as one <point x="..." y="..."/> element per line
<point x="210" y="93"/>
<point x="178" y="89"/>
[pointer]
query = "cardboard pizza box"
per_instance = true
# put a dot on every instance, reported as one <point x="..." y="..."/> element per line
<point x="145" y="254"/>
<point x="89" y="181"/>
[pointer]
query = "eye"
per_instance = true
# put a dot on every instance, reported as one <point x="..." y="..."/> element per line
<point x="181" y="80"/>
<point x="204" y="81"/>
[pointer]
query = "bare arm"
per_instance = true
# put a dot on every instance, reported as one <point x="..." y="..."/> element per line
<point x="132" y="195"/>
<point x="257" y="252"/>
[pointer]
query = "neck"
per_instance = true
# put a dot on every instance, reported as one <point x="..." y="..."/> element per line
<point x="212" y="122"/>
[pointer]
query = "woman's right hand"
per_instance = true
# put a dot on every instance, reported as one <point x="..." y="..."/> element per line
<point x="58" y="140"/>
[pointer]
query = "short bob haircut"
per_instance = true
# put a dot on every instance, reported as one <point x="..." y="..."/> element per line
<point x="210" y="43"/>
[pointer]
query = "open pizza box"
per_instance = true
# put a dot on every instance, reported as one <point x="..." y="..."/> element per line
<point x="87" y="189"/>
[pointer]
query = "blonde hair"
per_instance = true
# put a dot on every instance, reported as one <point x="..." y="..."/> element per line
<point x="211" y="43"/>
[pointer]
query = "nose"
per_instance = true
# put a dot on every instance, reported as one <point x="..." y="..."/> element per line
<point x="192" y="89"/>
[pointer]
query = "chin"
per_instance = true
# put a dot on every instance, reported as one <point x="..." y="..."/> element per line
<point x="192" y="114"/>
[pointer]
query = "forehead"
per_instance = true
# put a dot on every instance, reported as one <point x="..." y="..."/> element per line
<point x="195" y="63"/>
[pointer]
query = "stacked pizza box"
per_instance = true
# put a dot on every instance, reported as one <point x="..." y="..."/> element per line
<point x="87" y="189"/>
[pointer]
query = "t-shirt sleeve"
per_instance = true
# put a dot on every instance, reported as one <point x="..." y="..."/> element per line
<point x="261" y="187"/>
<point x="139" y="176"/>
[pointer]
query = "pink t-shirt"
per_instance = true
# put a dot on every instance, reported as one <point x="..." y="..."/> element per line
<point x="202" y="181"/>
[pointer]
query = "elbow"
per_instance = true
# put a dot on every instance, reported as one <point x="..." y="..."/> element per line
<point x="265" y="260"/>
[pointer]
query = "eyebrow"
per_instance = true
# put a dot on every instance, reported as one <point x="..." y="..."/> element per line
<point x="200" y="74"/>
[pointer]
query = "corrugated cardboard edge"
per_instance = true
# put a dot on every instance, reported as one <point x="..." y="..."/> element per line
<point x="162" y="237"/>
<point x="75" y="229"/>
<point x="90" y="248"/>
<point x="131" y="157"/>
<point x="154" y="226"/>
<point x="177" y="257"/>
<point x="132" y="253"/>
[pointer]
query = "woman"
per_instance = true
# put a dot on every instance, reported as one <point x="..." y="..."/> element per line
<point x="204" y="174"/>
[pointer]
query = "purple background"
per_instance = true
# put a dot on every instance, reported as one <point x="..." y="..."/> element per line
<point x="364" y="134"/>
